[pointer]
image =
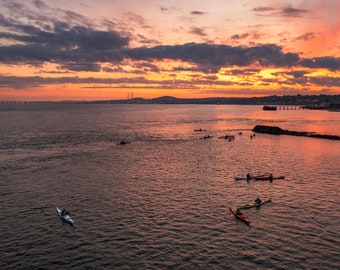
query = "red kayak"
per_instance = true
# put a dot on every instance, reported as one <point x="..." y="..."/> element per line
<point x="240" y="217"/>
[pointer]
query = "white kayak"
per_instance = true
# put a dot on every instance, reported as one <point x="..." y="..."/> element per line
<point x="65" y="217"/>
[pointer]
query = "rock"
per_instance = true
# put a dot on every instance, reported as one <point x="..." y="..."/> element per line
<point x="278" y="131"/>
<point x="268" y="129"/>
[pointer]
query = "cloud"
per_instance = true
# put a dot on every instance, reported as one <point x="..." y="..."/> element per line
<point x="94" y="67"/>
<point x="136" y="19"/>
<point x="36" y="81"/>
<point x="169" y="9"/>
<point x="66" y="44"/>
<point x="327" y="62"/>
<point x="211" y="57"/>
<point x="196" y="12"/>
<point x="77" y="45"/>
<point x="147" y="67"/>
<point x="306" y="36"/>
<point x="242" y="36"/>
<point x="263" y="9"/>
<point x="326" y="81"/>
<point x="297" y="73"/>
<point x="292" y="12"/>
<point x="40" y="4"/>
<point x="134" y="82"/>
<point x="247" y="71"/>
<point x="63" y="36"/>
<point x="198" y="31"/>
<point x="287" y="11"/>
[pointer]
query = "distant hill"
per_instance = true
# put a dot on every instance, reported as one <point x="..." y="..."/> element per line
<point x="301" y="100"/>
<point x="331" y="102"/>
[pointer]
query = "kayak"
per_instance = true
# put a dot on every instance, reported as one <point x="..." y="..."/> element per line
<point x="244" y="178"/>
<point x="66" y="217"/>
<point x="254" y="204"/>
<point x="240" y="217"/>
<point x="122" y="143"/>
<point x="227" y="137"/>
<point x="206" y="137"/>
<point x="268" y="178"/>
<point x="249" y="178"/>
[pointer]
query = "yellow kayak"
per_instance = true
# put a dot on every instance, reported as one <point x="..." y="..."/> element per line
<point x="254" y="204"/>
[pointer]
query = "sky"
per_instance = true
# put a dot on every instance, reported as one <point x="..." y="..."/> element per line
<point x="120" y="49"/>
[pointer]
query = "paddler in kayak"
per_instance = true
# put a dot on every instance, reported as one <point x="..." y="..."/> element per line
<point x="64" y="212"/>
<point x="249" y="177"/>
<point x="258" y="201"/>
<point x="238" y="211"/>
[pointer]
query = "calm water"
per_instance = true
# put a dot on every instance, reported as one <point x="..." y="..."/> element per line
<point x="162" y="201"/>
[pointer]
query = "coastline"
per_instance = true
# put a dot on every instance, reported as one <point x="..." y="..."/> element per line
<point x="313" y="102"/>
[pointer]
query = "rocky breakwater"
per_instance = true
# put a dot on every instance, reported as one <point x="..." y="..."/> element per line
<point x="279" y="131"/>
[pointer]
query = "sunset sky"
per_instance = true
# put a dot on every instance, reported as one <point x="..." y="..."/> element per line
<point x="115" y="49"/>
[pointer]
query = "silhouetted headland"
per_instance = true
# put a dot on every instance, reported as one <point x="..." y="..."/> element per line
<point x="315" y="102"/>
<point x="279" y="131"/>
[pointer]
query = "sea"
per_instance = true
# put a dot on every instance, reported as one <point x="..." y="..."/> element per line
<point x="162" y="200"/>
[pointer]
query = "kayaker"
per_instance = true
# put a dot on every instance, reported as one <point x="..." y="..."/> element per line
<point x="271" y="177"/>
<point x="238" y="211"/>
<point x="258" y="201"/>
<point x="64" y="212"/>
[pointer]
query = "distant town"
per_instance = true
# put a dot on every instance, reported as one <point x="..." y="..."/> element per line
<point x="325" y="102"/>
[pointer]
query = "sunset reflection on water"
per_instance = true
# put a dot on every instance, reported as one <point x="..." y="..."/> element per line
<point x="162" y="201"/>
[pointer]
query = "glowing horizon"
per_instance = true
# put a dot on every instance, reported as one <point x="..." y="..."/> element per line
<point x="106" y="49"/>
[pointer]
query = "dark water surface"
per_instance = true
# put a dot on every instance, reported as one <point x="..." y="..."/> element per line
<point x="162" y="201"/>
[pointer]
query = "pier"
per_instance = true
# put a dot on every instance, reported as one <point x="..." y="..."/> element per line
<point x="290" y="107"/>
